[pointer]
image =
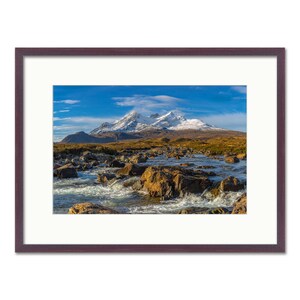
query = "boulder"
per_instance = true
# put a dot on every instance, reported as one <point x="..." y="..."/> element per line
<point x="131" y="170"/>
<point x="158" y="183"/>
<point x="130" y="182"/>
<point x="231" y="159"/>
<point x="86" y="166"/>
<point x="139" y="158"/>
<point x="185" y="184"/>
<point x="116" y="164"/>
<point x="56" y="166"/>
<point x="242" y="156"/>
<point x="137" y="185"/>
<point x="231" y="184"/>
<point x="168" y="182"/>
<point x="240" y="206"/>
<point x="204" y="210"/>
<point x="122" y="158"/>
<point x="66" y="171"/>
<point x="105" y="177"/>
<point x="87" y="156"/>
<point x="90" y="208"/>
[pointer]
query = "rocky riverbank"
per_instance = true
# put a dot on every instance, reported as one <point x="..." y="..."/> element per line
<point x="159" y="176"/>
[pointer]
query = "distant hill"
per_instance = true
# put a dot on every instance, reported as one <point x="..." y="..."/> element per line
<point x="109" y="137"/>
<point x="82" y="137"/>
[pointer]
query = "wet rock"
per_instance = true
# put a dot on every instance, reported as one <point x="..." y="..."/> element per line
<point x="242" y="156"/>
<point x="87" y="156"/>
<point x="176" y="153"/>
<point x="122" y="158"/>
<point x="104" y="158"/>
<point x="158" y="183"/>
<point x="74" y="162"/>
<point x="215" y="191"/>
<point x="116" y="164"/>
<point x="185" y="184"/>
<point x="204" y="210"/>
<point x="130" y="182"/>
<point x="209" y="173"/>
<point x="231" y="159"/>
<point x="67" y="161"/>
<point x="132" y="170"/>
<point x="86" y="166"/>
<point x="137" y="185"/>
<point x="94" y="163"/>
<point x="66" y="171"/>
<point x="240" y="206"/>
<point x="231" y="184"/>
<point x="139" y="158"/>
<point x="90" y="208"/>
<point x="168" y="182"/>
<point x="105" y="177"/>
<point x="186" y="164"/>
<point x="206" y="167"/>
<point x="56" y="166"/>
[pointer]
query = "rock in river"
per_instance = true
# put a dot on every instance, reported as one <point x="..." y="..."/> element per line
<point x="231" y="159"/>
<point x="90" y="208"/>
<point x="132" y="170"/>
<point x="87" y="156"/>
<point x="204" y="210"/>
<point x="168" y="182"/>
<point x="66" y="171"/>
<point x="242" y="156"/>
<point x="240" y="206"/>
<point x="105" y="177"/>
<point x="231" y="184"/>
<point x="116" y="164"/>
<point x="139" y="158"/>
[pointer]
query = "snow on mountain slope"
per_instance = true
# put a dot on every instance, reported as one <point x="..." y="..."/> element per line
<point x="135" y="122"/>
<point x="192" y="124"/>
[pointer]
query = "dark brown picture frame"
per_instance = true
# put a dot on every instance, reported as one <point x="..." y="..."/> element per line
<point x="21" y="53"/>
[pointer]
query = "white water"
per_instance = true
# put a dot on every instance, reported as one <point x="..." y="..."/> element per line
<point x="67" y="192"/>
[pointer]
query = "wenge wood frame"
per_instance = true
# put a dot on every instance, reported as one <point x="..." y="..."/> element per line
<point x="21" y="53"/>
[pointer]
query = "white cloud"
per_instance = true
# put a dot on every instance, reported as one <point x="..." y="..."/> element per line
<point x="146" y="104"/>
<point x="90" y="120"/>
<point x="242" y="89"/>
<point x="75" y="124"/>
<point x="67" y="101"/>
<point x="60" y="119"/>
<point x="233" y="121"/>
<point x="64" y="110"/>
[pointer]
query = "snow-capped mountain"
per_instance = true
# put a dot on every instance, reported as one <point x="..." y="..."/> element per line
<point x="135" y="122"/>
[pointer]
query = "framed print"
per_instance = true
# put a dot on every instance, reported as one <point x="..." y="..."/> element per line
<point x="150" y="150"/>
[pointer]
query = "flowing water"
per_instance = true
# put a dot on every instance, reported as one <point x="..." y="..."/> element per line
<point x="85" y="188"/>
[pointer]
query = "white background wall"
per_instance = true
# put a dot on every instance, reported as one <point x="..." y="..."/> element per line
<point x="141" y="24"/>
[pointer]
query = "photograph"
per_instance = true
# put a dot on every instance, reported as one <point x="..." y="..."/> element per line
<point x="149" y="149"/>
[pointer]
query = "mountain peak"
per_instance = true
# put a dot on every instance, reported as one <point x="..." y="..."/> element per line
<point x="135" y="122"/>
<point x="133" y="113"/>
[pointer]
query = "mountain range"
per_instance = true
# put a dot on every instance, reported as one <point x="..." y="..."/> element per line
<point x="136" y="122"/>
<point x="136" y="126"/>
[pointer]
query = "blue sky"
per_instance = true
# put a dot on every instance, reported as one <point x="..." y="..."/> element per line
<point x="83" y="108"/>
